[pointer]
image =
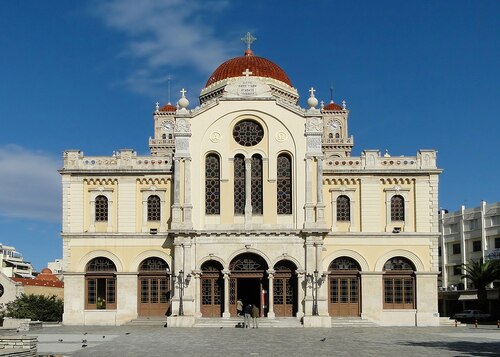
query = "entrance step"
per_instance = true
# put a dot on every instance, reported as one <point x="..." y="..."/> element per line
<point x="233" y="322"/>
<point x="351" y="322"/>
<point x="148" y="321"/>
<point x="448" y="321"/>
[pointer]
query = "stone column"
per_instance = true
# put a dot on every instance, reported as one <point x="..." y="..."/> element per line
<point x="320" y="205"/>
<point x="197" y="295"/>
<point x="109" y="228"/>
<point x="188" y="206"/>
<point x="248" y="191"/>
<point x="145" y="214"/>
<point x="226" y="312"/>
<point x="309" y="205"/>
<point x="301" y="273"/>
<point x="176" y="207"/>
<point x="270" y="312"/>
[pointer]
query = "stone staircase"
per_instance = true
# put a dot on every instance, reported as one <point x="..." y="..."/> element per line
<point x="232" y="322"/>
<point x="148" y="321"/>
<point x="448" y="321"/>
<point x="351" y="322"/>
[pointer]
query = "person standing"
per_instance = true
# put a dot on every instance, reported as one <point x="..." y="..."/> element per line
<point x="255" y="316"/>
<point x="248" y="313"/>
<point x="239" y="307"/>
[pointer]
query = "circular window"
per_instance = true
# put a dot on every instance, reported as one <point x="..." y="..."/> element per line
<point x="248" y="133"/>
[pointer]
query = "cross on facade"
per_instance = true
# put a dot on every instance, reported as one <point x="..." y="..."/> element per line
<point x="183" y="92"/>
<point x="312" y="90"/>
<point x="248" y="39"/>
<point x="247" y="73"/>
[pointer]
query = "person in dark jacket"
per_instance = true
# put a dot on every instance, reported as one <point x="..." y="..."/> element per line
<point x="248" y="314"/>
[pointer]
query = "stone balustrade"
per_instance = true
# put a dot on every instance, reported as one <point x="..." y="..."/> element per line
<point x="125" y="159"/>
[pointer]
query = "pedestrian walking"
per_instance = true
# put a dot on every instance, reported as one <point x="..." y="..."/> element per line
<point x="255" y="316"/>
<point x="239" y="307"/>
<point x="248" y="314"/>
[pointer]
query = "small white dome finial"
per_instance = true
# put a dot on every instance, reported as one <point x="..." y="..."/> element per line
<point x="343" y="105"/>
<point x="312" y="101"/>
<point x="183" y="102"/>
<point x="157" y="107"/>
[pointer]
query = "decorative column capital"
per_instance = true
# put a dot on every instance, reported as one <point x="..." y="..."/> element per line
<point x="226" y="273"/>
<point x="271" y="273"/>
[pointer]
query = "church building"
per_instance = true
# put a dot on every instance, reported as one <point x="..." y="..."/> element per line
<point x="250" y="196"/>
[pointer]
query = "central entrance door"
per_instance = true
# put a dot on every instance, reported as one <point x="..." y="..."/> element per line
<point x="248" y="282"/>
<point x="154" y="288"/>
<point x="344" y="288"/>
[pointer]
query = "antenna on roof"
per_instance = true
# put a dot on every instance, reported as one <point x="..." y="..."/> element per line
<point x="169" y="78"/>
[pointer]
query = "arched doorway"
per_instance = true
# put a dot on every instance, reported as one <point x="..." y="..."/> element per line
<point x="212" y="289"/>
<point x="344" y="295"/>
<point x="154" y="287"/>
<point x="285" y="289"/>
<point x="247" y="282"/>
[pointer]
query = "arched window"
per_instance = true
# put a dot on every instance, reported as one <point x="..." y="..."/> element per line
<point x="100" y="281"/>
<point x="330" y="136"/>
<point x="337" y="136"/>
<point x="399" y="284"/>
<point x="212" y="184"/>
<point x="257" y="196"/>
<point x="239" y="184"/>
<point x="343" y="208"/>
<point x="101" y="208"/>
<point x="163" y="136"/>
<point x="154" y="208"/>
<point x="397" y="208"/>
<point x="284" y="184"/>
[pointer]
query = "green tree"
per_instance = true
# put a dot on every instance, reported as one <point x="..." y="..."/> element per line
<point x="36" y="308"/>
<point x="482" y="275"/>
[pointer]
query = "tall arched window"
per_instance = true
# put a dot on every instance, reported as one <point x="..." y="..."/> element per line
<point x="100" y="281"/>
<point x="399" y="284"/>
<point x="257" y="193"/>
<point x="101" y="208"/>
<point x="397" y="208"/>
<point x="154" y="208"/>
<point x="284" y="184"/>
<point x="239" y="184"/>
<point x="212" y="184"/>
<point x="343" y="208"/>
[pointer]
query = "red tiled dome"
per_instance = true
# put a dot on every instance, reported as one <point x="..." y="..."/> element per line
<point x="259" y="67"/>
<point x="168" y="108"/>
<point x="332" y="106"/>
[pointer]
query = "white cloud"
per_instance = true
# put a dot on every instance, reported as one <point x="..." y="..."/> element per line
<point x="165" y="36"/>
<point x="30" y="186"/>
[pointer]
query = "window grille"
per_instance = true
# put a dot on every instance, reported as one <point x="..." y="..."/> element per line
<point x="101" y="209"/>
<point x="212" y="185"/>
<point x="343" y="209"/>
<point x="257" y="196"/>
<point x="284" y="185"/>
<point x="397" y="208"/>
<point x="154" y="208"/>
<point x="239" y="184"/>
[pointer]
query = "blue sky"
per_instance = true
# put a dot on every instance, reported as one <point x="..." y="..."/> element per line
<point x="86" y="75"/>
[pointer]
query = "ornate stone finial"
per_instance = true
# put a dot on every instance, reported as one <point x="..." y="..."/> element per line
<point x="312" y="101"/>
<point x="247" y="73"/>
<point x="387" y="153"/>
<point x="322" y="104"/>
<point x="157" y="107"/>
<point x="183" y="102"/>
<point x="248" y="39"/>
<point x="343" y="105"/>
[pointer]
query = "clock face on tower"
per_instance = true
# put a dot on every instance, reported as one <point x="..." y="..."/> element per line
<point x="333" y="124"/>
<point x="166" y="125"/>
<point x="1" y="290"/>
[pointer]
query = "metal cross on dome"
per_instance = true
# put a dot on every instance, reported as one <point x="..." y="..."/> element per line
<point x="248" y="39"/>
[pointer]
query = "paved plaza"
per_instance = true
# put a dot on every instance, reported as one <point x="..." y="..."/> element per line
<point x="342" y="341"/>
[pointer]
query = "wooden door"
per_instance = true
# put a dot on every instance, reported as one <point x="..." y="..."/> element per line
<point x="283" y="296"/>
<point x="344" y="295"/>
<point x="211" y="296"/>
<point x="154" y="295"/>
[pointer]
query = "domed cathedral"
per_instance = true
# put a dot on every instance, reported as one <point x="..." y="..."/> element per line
<point x="248" y="196"/>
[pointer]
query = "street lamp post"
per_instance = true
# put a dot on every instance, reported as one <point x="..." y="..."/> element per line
<point x="182" y="282"/>
<point x="315" y="280"/>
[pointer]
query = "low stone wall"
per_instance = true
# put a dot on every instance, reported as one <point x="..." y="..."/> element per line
<point x="19" y="346"/>
<point x="21" y="324"/>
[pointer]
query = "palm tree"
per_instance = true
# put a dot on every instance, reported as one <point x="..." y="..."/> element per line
<point x="482" y="275"/>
